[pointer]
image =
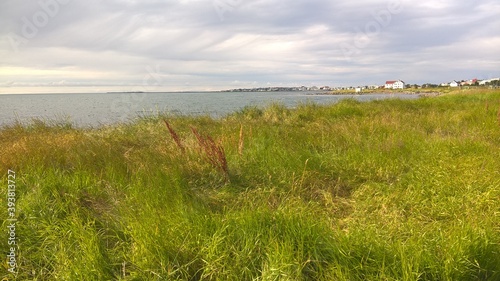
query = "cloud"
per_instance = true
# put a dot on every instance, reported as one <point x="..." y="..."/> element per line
<point x="211" y="44"/>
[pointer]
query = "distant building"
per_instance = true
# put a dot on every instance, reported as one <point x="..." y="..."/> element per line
<point x="454" y="84"/>
<point x="470" y="82"/>
<point x="359" y="89"/>
<point x="389" y="84"/>
<point x="489" y="81"/>
<point x="395" y="84"/>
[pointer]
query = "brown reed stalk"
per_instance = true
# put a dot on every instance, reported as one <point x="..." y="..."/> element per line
<point x="214" y="152"/>
<point x="241" y="142"/>
<point x="174" y="136"/>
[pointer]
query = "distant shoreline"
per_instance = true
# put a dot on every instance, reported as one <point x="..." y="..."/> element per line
<point x="422" y="93"/>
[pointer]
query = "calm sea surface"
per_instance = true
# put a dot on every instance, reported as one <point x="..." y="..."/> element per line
<point x="108" y="108"/>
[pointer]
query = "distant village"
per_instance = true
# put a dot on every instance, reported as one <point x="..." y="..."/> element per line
<point x="389" y="85"/>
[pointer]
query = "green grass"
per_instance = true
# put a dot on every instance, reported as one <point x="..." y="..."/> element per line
<point x="383" y="190"/>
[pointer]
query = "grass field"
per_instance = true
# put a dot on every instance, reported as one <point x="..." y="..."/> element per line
<point x="383" y="190"/>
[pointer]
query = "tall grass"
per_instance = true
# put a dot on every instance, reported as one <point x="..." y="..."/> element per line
<point x="384" y="190"/>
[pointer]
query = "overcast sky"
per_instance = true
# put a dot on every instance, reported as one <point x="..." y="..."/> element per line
<point x="150" y="45"/>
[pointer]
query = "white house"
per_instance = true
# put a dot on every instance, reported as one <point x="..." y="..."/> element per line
<point x="395" y="84"/>
<point x="484" y="82"/>
<point x="454" y="84"/>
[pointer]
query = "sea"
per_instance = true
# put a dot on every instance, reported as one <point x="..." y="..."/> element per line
<point x="101" y="109"/>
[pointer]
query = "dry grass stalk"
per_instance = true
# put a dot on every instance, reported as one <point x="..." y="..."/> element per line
<point x="215" y="152"/>
<point x="124" y="271"/>
<point x="498" y="116"/>
<point x="241" y="142"/>
<point x="175" y="136"/>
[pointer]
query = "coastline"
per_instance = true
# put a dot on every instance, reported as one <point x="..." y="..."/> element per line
<point x="421" y="93"/>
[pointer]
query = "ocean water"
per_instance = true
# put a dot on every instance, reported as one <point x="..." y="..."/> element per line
<point x="98" y="109"/>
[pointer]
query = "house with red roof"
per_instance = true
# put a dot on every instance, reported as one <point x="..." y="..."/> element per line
<point x="395" y="84"/>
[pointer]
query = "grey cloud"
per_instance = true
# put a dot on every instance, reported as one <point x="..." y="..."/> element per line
<point x="256" y="41"/>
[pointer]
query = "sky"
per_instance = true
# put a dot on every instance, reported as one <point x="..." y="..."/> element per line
<point x="182" y="45"/>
